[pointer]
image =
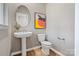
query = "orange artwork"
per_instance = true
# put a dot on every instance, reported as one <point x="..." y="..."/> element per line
<point x="40" y="20"/>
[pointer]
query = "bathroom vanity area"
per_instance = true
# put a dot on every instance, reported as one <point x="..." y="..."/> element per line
<point x="22" y="21"/>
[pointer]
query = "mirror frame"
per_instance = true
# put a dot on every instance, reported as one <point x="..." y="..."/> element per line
<point x="29" y="15"/>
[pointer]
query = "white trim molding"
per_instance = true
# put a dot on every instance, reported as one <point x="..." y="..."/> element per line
<point x="57" y="52"/>
<point x="18" y="52"/>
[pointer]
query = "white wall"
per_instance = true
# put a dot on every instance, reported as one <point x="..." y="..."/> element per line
<point x="60" y="23"/>
<point x="77" y="29"/>
<point x="5" y="14"/>
<point x="1" y="14"/>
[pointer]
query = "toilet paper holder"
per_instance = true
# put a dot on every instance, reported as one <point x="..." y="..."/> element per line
<point x="60" y="38"/>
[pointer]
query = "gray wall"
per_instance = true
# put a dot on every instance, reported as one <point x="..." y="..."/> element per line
<point x="5" y="42"/>
<point x="33" y="7"/>
<point x="60" y="23"/>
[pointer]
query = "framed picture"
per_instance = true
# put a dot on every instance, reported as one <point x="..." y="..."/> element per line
<point x="40" y="20"/>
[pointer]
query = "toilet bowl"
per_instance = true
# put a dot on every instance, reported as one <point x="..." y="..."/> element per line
<point x="45" y="44"/>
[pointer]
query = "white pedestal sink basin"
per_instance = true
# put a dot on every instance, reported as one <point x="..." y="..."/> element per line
<point x="23" y="36"/>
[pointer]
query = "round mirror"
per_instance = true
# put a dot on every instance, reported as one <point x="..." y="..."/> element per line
<point x="22" y="16"/>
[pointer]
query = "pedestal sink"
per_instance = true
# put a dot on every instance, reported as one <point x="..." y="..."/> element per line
<point x="23" y="36"/>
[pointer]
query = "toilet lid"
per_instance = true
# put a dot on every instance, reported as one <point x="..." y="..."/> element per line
<point x="46" y="43"/>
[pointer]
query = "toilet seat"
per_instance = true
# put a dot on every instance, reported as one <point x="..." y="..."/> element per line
<point x="46" y="43"/>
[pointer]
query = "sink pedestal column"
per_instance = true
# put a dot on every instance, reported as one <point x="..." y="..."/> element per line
<point x="23" y="36"/>
<point x="23" y="46"/>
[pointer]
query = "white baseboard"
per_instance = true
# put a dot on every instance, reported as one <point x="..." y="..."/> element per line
<point x="45" y="54"/>
<point x="18" y="52"/>
<point x="57" y="52"/>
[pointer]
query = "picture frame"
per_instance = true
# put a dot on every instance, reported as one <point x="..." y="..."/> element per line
<point x="39" y="20"/>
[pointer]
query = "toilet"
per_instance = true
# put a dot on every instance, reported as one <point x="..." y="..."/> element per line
<point x="45" y="44"/>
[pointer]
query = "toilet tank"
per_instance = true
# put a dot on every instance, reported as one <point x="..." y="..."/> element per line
<point x="41" y="37"/>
